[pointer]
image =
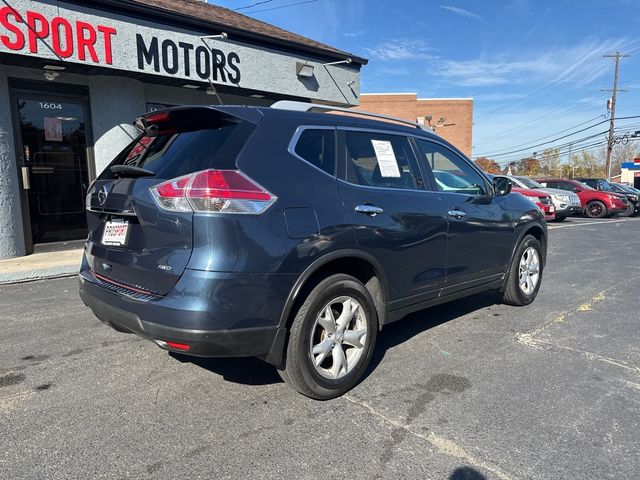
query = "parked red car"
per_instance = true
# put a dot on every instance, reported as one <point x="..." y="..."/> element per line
<point x="596" y="203"/>
<point x="541" y="199"/>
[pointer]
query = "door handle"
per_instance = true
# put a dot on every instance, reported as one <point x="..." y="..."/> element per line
<point x="26" y="183"/>
<point x="370" y="210"/>
<point x="455" y="213"/>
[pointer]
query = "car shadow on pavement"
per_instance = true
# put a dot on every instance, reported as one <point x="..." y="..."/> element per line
<point x="245" y="371"/>
<point x="252" y="371"/>
<point x="408" y="327"/>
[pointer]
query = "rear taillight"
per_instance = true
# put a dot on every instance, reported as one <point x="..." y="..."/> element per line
<point x="211" y="191"/>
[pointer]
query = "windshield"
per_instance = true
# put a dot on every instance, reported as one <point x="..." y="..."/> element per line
<point x="604" y="185"/>
<point x="528" y="182"/>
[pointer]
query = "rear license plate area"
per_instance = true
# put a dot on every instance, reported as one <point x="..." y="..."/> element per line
<point x="115" y="233"/>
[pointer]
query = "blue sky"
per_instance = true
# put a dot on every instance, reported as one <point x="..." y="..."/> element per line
<point x="534" y="68"/>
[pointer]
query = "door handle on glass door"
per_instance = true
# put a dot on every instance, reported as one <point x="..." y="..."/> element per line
<point x="26" y="183"/>
<point x="370" y="210"/>
<point x="456" y="214"/>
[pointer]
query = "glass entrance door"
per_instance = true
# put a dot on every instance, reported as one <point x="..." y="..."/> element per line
<point x="54" y="165"/>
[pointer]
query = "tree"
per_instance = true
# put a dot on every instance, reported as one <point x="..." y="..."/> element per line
<point x="487" y="165"/>
<point x="550" y="162"/>
<point x="529" y="167"/>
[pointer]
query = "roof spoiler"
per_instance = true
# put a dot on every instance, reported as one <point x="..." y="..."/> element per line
<point x="308" y="107"/>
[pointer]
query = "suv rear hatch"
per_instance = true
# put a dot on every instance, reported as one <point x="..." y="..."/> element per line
<point x="135" y="242"/>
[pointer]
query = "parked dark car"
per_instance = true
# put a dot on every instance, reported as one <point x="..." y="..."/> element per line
<point x="294" y="236"/>
<point x="631" y="193"/>
<point x="603" y="185"/>
<point x="596" y="203"/>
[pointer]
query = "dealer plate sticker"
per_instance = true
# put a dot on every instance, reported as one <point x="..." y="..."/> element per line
<point x="115" y="233"/>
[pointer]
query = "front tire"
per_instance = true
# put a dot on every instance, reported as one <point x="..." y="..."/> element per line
<point x="525" y="273"/>
<point x="332" y="338"/>
<point x="596" y="209"/>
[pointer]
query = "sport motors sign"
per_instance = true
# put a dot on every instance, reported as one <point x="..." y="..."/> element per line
<point x="59" y="31"/>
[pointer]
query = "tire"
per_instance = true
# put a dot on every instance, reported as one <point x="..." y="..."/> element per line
<point x="528" y="254"/>
<point x="629" y="211"/>
<point x="560" y="219"/>
<point x="595" y="209"/>
<point x="319" y="337"/>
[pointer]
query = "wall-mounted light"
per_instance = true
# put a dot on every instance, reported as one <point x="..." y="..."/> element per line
<point x="347" y="61"/>
<point x="191" y="86"/>
<point x="51" y="72"/>
<point x="351" y="83"/>
<point x="304" y="70"/>
<point x="221" y="36"/>
<point x="211" y="90"/>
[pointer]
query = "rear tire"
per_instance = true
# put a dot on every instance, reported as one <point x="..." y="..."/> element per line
<point x="595" y="209"/>
<point x="525" y="273"/>
<point x="332" y="338"/>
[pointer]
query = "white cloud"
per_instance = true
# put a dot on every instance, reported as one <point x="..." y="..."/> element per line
<point x="578" y="65"/>
<point x="359" y="33"/>
<point x="402" y="49"/>
<point x="462" y="12"/>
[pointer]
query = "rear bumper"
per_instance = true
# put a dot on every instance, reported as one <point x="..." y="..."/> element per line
<point x="216" y="314"/>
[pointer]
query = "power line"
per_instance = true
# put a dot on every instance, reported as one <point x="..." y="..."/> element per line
<point x="282" y="6"/>
<point x="528" y="144"/>
<point x="252" y="5"/>
<point x="577" y="144"/>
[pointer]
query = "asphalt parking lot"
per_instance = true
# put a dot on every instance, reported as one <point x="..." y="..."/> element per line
<point x="468" y="390"/>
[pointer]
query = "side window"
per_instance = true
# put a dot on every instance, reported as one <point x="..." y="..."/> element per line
<point x="379" y="160"/>
<point x="565" y="186"/>
<point x="591" y="183"/>
<point x="318" y="147"/>
<point x="452" y="173"/>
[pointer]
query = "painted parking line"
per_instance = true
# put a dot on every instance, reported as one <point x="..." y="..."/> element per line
<point x="582" y="222"/>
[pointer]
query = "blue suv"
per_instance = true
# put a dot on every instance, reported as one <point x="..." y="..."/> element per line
<point x="295" y="235"/>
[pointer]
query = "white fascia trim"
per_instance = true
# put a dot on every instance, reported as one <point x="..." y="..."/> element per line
<point x="406" y="93"/>
<point x="439" y="99"/>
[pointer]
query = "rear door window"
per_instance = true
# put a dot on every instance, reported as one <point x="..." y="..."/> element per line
<point x="381" y="160"/>
<point x="318" y="147"/>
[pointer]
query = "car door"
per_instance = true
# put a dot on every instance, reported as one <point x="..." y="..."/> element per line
<point x="480" y="226"/>
<point x="395" y="219"/>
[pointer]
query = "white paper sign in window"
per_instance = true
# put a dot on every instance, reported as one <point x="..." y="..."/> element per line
<point x="386" y="158"/>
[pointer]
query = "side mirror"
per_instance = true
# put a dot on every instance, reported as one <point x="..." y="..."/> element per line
<point x="501" y="186"/>
<point x="577" y="189"/>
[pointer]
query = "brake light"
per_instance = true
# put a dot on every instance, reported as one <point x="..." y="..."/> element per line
<point x="210" y="191"/>
<point x="157" y="117"/>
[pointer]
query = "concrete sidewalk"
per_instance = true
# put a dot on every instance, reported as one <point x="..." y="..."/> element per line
<point x="40" y="265"/>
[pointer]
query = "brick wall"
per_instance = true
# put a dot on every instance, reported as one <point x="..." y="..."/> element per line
<point x="457" y="114"/>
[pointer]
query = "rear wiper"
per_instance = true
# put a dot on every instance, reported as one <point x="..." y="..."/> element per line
<point x="130" y="171"/>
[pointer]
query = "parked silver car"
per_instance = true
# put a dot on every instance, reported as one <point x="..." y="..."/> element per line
<point x="566" y="203"/>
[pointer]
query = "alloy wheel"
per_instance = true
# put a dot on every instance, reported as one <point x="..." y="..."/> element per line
<point x="338" y="337"/>
<point x="529" y="271"/>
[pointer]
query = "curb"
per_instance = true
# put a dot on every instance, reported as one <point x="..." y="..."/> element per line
<point x="39" y="274"/>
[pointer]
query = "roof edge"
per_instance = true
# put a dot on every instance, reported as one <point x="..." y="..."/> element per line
<point x="207" y="24"/>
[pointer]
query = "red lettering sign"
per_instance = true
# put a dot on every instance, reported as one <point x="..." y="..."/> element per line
<point x="59" y="34"/>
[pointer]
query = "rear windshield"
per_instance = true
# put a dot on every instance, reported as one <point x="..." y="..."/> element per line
<point x="174" y="152"/>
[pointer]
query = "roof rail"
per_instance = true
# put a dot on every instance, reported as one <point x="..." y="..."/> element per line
<point x="307" y="107"/>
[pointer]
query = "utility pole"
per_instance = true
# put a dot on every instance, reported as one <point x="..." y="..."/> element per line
<point x="571" y="164"/>
<point x="614" y="94"/>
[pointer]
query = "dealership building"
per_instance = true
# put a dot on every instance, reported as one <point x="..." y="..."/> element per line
<point x="75" y="74"/>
